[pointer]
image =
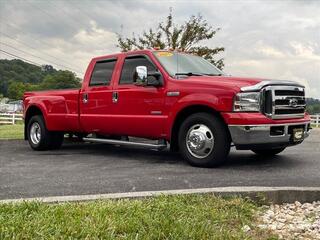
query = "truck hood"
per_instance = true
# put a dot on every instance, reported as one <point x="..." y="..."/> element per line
<point x="235" y="83"/>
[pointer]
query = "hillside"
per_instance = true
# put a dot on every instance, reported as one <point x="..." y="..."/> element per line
<point x="17" y="76"/>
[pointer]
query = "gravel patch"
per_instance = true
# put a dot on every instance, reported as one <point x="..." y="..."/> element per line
<point x="292" y="221"/>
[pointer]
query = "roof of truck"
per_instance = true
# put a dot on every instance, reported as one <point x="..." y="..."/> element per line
<point x="143" y="51"/>
<point x="123" y="53"/>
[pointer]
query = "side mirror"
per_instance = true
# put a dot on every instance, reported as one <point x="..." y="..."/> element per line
<point x="144" y="78"/>
<point x="141" y="75"/>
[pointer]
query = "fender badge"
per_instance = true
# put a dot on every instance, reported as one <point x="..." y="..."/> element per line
<point x="156" y="112"/>
<point x="173" y="94"/>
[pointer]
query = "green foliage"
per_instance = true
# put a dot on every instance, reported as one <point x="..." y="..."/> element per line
<point x="186" y="37"/>
<point x="17" y="89"/>
<point x="164" y="217"/>
<point x="313" y="106"/>
<point x="20" y="71"/>
<point x="60" y="80"/>
<point x="17" y="76"/>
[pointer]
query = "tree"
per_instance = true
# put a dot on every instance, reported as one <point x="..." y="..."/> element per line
<point x="20" y="71"/>
<point x="185" y="37"/>
<point x="48" y="69"/>
<point x="60" y="80"/>
<point x="16" y="90"/>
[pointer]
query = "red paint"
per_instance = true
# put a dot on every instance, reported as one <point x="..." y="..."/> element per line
<point x="64" y="110"/>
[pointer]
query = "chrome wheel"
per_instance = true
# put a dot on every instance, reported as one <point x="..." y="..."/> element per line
<point x="200" y="141"/>
<point x="35" y="133"/>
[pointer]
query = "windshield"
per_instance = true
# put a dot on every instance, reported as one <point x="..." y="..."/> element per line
<point x="185" y="64"/>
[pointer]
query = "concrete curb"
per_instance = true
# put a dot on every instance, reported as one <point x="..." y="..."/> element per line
<point x="269" y="194"/>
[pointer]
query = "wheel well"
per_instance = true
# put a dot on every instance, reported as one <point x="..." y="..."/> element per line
<point x="183" y="114"/>
<point x="32" y="111"/>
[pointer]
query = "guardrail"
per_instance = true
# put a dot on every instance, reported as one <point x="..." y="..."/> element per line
<point x="10" y="118"/>
<point x="315" y="120"/>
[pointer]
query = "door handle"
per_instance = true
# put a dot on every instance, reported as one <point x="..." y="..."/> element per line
<point x="115" y="97"/>
<point x="85" y="98"/>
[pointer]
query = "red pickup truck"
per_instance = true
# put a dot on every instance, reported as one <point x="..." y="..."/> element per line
<point x="174" y="98"/>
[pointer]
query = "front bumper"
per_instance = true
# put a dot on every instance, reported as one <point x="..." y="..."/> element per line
<point x="266" y="135"/>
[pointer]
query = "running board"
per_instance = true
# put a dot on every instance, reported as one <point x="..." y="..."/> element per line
<point x="161" y="145"/>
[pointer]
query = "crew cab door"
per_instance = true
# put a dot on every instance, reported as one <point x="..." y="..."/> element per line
<point x="138" y="110"/>
<point x="96" y="98"/>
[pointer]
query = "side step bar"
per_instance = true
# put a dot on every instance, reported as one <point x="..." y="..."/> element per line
<point x="160" y="146"/>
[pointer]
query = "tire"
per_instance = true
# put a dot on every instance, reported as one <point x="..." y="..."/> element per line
<point x="268" y="152"/>
<point x="204" y="140"/>
<point x="39" y="137"/>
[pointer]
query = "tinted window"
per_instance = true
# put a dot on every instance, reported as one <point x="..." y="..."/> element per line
<point x="102" y="73"/>
<point x="129" y="66"/>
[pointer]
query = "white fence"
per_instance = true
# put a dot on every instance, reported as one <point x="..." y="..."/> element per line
<point x="10" y="118"/>
<point x="315" y="120"/>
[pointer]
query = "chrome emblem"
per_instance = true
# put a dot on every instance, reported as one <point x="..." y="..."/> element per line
<point x="293" y="102"/>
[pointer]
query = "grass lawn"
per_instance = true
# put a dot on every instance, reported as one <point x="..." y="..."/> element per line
<point x="164" y="217"/>
<point x="11" y="131"/>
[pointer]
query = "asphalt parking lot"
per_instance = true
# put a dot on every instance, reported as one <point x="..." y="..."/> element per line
<point x="85" y="168"/>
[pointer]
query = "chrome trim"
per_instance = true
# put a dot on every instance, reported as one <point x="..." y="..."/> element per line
<point x="301" y="106"/>
<point x="127" y="143"/>
<point x="262" y="84"/>
<point x="275" y="97"/>
<point x="267" y="86"/>
<point x="260" y="134"/>
<point x="199" y="141"/>
<point x="85" y="98"/>
<point x="288" y="97"/>
<point x="156" y="112"/>
<point x="173" y="94"/>
<point x="269" y="125"/>
<point x="35" y="133"/>
<point x="115" y="97"/>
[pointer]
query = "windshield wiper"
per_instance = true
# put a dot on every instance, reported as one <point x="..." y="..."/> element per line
<point x="189" y="74"/>
<point x="213" y="74"/>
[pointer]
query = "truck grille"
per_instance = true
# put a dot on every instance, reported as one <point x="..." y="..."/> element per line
<point x="280" y="102"/>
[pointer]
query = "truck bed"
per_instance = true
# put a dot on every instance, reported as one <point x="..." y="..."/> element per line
<point x="62" y="108"/>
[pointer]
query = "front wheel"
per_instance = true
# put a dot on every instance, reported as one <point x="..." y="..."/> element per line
<point x="204" y="140"/>
<point x="268" y="152"/>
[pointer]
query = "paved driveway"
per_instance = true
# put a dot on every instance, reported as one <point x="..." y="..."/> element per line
<point x="95" y="168"/>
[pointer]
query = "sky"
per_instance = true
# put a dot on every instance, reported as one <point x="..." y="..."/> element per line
<point x="262" y="38"/>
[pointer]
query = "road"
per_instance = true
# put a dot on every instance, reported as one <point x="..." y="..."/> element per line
<point x="80" y="168"/>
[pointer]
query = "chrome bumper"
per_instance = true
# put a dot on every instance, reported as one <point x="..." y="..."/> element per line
<point x="263" y="134"/>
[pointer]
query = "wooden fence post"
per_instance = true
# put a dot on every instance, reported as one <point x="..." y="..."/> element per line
<point x="318" y="120"/>
<point x="13" y="118"/>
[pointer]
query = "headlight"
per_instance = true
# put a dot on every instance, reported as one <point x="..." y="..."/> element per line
<point x="247" y="102"/>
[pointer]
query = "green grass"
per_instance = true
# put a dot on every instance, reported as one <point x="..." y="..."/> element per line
<point x="164" y="217"/>
<point x="11" y="131"/>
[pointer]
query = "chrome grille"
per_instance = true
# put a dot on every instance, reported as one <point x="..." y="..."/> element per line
<point x="280" y="102"/>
